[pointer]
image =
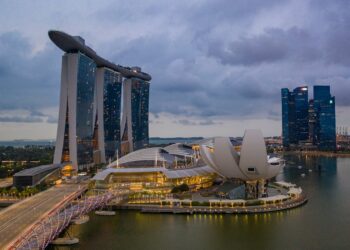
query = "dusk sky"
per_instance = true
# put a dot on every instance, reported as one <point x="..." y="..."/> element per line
<point x="217" y="66"/>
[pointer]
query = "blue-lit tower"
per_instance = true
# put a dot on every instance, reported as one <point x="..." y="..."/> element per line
<point x="295" y="125"/>
<point x="301" y="101"/>
<point x="325" y="127"/>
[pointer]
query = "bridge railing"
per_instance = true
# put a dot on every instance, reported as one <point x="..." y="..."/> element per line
<point x="45" y="231"/>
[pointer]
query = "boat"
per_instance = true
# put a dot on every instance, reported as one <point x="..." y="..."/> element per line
<point x="108" y="213"/>
<point x="81" y="220"/>
<point x="65" y="241"/>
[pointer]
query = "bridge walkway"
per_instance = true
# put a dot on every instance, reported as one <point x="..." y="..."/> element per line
<point x="20" y="217"/>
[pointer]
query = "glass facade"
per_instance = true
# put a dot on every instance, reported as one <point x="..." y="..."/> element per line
<point x="304" y="121"/>
<point x="285" y="120"/>
<point x="312" y="122"/>
<point x="65" y="150"/>
<point x="295" y="116"/>
<point x="85" y="109"/>
<point x="301" y="100"/>
<point x="111" y="113"/>
<point x="139" y="113"/>
<point x="325" y="128"/>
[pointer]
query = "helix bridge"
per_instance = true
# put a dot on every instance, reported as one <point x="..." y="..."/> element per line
<point x="49" y="228"/>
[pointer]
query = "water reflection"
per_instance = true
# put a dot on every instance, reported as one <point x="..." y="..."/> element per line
<point x="321" y="224"/>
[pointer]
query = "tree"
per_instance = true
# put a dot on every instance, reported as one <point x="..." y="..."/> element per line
<point x="180" y="189"/>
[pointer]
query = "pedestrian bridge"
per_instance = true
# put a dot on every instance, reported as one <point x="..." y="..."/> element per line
<point x="45" y="231"/>
<point x="35" y="222"/>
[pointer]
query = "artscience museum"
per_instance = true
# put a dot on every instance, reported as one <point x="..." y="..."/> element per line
<point x="251" y="165"/>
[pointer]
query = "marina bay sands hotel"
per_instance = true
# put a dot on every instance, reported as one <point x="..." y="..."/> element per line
<point x="93" y="125"/>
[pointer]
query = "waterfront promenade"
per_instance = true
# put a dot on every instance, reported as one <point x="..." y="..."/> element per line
<point x="17" y="219"/>
<point x="216" y="209"/>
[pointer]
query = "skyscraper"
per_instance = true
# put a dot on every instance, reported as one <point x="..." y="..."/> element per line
<point x="135" y="114"/>
<point x="325" y="128"/>
<point x="89" y="115"/>
<point x="308" y="121"/>
<point x="295" y="126"/>
<point x="312" y="122"/>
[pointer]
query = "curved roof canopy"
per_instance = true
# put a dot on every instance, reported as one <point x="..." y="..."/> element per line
<point x="70" y="43"/>
<point x="147" y="156"/>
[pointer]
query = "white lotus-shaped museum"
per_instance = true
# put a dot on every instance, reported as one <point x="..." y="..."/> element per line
<point x="251" y="164"/>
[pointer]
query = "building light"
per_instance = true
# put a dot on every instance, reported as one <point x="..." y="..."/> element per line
<point x="304" y="88"/>
<point x="330" y="101"/>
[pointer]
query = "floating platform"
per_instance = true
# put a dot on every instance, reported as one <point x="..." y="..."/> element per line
<point x="65" y="241"/>
<point x="81" y="220"/>
<point x="224" y="210"/>
<point x="106" y="213"/>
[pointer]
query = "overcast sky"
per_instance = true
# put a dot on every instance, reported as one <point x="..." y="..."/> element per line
<point x="217" y="66"/>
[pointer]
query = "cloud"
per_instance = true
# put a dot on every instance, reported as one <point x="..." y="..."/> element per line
<point x="273" y="45"/>
<point x="186" y="122"/>
<point x="19" y="119"/>
<point x="28" y="81"/>
<point x="52" y="119"/>
<point x="210" y="60"/>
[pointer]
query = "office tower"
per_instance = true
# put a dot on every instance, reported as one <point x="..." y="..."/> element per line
<point x="325" y="128"/>
<point x="287" y="117"/>
<point x="312" y="122"/>
<point x="295" y="120"/>
<point x="135" y="114"/>
<point x="301" y="100"/>
<point x="89" y="115"/>
<point x="109" y="88"/>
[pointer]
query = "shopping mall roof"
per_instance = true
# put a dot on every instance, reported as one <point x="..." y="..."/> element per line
<point x="169" y="173"/>
<point x="38" y="170"/>
<point x="145" y="156"/>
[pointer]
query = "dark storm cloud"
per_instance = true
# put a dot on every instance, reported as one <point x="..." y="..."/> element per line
<point x="207" y="58"/>
<point x="273" y="45"/>
<point x="27" y="81"/>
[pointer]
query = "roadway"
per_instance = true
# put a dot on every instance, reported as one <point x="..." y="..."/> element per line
<point x="18" y="218"/>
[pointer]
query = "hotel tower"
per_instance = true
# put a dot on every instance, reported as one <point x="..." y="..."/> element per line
<point x="90" y="108"/>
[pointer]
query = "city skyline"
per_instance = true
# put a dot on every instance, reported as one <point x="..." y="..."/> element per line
<point x="308" y="123"/>
<point x="200" y="74"/>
